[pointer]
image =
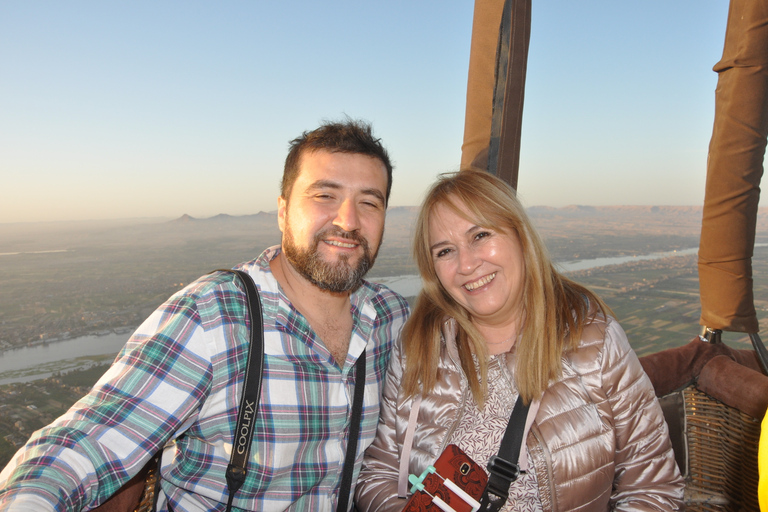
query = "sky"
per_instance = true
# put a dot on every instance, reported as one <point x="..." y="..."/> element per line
<point x="155" y="109"/>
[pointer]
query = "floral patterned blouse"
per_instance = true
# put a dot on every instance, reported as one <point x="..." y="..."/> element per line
<point x="480" y="431"/>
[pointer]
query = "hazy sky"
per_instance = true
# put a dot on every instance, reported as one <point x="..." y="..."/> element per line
<point x="159" y="108"/>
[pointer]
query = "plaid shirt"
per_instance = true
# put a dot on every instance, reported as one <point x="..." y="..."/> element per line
<point x="180" y="377"/>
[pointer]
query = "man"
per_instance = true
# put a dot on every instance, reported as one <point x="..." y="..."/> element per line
<point x="178" y="380"/>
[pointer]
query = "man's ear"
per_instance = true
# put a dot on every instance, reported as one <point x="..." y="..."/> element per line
<point x="282" y="205"/>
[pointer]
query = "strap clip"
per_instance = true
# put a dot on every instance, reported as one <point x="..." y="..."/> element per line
<point x="503" y="468"/>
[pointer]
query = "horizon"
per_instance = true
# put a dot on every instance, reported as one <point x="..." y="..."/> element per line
<point x="160" y="218"/>
<point x="136" y="109"/>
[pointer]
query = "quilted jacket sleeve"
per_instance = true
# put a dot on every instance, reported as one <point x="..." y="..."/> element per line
<point x="647" y="477"/>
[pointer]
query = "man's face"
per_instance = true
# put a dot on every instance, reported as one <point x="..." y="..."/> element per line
<point x="333" y="221"/>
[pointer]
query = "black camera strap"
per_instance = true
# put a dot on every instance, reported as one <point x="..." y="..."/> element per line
<point x="249" y="400"/>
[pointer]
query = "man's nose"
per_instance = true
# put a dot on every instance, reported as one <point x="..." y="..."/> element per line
<point x="347" y="216"/>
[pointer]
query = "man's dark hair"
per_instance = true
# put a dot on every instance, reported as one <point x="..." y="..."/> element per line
<point x="350" y="136"/>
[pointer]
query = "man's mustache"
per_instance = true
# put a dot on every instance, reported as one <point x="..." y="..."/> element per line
<point x="347" y="235"/>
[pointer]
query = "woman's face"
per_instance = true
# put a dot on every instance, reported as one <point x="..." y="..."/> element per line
<point x="480" y="267"/>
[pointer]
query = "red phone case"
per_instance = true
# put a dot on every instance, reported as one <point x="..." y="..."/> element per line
<point x="456" y="466"/>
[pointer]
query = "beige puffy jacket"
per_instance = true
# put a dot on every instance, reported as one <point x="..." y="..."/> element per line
<point x="598" y="441"/>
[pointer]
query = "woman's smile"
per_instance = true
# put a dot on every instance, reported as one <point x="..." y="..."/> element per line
<point x="480" y="282"/>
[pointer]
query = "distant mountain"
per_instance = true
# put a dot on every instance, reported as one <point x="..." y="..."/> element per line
<point x="402" y="211"/>
<point x="224" y="217"/>
<point x="599" y="211"/>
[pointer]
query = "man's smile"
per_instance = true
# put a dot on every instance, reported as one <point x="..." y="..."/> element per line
<point x="338" y="243"/>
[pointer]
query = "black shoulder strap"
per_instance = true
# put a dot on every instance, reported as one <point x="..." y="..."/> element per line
<point x="354" y="433"/>
<point x="503" y="467"/>
<point x="249" y="403"/>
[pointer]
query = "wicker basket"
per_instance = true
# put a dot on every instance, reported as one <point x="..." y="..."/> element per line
<point x="139" y="494"/>
<point x="714" y="399"/>
<point x="722" y="455"/>
<point x="151" y="487"/>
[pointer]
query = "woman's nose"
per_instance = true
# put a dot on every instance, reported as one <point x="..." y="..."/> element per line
<point x="468" y="261"/>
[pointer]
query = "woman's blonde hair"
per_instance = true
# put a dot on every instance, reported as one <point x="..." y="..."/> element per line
<point x="555" y="309"/>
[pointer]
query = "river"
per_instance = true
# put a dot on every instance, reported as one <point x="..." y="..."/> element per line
<point x="42" y="360"/>
<point x="409" y="286"/>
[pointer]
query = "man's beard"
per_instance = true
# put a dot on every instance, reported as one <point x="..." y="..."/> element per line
<point x="339" y="277"/>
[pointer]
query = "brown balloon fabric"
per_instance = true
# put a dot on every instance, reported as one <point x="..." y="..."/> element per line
<point x="482" y="67"/>
<point x="734" y="169"/>
<point x="494" y="108"/>
<point x="733" y="384"/>
<point x="675" y="368"/>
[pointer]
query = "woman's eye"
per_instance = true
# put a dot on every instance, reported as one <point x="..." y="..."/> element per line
<point x="482" y="234"/>
<point x="441" y="253"/>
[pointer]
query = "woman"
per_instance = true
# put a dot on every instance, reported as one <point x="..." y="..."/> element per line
<point x="496" y="320"/>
